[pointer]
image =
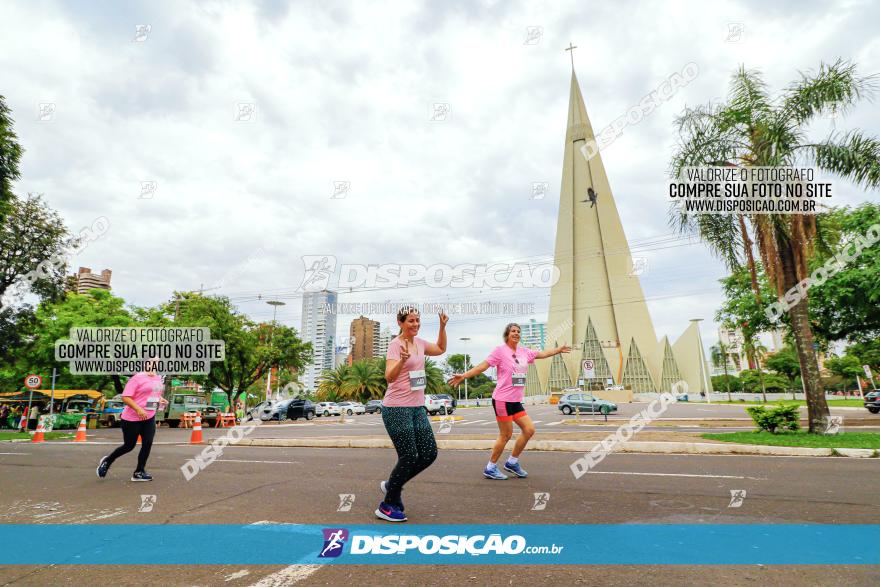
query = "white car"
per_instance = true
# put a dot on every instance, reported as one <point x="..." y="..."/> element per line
<point x="327" y="409"/>
<point x="434" y="404"/>
<point x="351" y="408"/>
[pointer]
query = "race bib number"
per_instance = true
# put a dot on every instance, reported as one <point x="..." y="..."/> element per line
<point x="417" y="380"/>
<point x="519" y="379"/>
<point x="152" y="403"/>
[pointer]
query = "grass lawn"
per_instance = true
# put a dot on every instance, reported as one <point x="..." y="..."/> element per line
<point x="11" y="435"/>
<point x="801" y="438"/>
<point x="832" y="403"/>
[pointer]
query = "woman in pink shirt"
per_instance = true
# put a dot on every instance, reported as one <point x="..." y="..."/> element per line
<point x="403" y="409"/>
<point x="142" y="397"/>
<point x="512" y="363"/>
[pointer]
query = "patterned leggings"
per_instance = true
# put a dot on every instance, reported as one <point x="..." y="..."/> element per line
<point x="413" y="438"/>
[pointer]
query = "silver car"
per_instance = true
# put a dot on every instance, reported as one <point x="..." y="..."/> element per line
<point x="571" y="402"/>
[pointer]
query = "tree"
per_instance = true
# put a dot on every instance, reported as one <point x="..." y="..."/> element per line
<point x="53" y="321"/>
<point x="719" y="359"/>
<point x="251" y="349"/>
<point x="330" y="383"/>
<point x="848" y="367"/>
<point x="785" y="362"/>
<point x="10" y="156"/>
<point x="33" y="246"/>
<point x="729" y="382"/>
<point x="364" y="382"/>
<point x="847" y="305"/>
<point x="752" y="129"/>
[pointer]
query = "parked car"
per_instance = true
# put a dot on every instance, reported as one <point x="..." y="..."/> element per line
<point x="275" y="411"/>
<point x="300" y="408"/>
<point x="872" y="401"/>
<point x="112" y="412"/>
<point x="327" y="409"/>
<point x="435" y="404"/>
<point x="450" y="398"/>
<point x="351" y="408"/>
<point x="570" y="402"/>
<point x="373" y="406"/>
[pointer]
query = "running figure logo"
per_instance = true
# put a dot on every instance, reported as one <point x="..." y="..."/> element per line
<point x="319" y="268"/>
<point x="147" y="503"/>
<point x="346" y="500"/>
<point x="334" y="540"/>
<point x="541" y="500"/>
<point x="834" y="425"/>
<point x="737" y="496"/>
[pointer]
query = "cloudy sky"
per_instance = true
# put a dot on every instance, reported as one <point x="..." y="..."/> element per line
<point x="245" y="115"/>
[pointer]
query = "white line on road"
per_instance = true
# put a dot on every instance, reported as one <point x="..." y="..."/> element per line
<point x="286" y="576"/>
<point x="554" y="423"/>
<point x="537" y="421"/>
<point x="471" y="422"/>
<point x="244" y="461"/>
<point x="677" y="475"/>
<point x="14" y="453"/>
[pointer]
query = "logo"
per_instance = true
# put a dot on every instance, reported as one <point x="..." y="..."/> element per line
<point x="346" y="500"/>
<point x="540" y="189"/>
<point x="141" y="31"/>
<point x="533" y="35"/>
<point x="439" y="112"/>
<point x="541" y="500"/>
<point x="147" y="503"/>
<point x="340" y="190"/>
<point x="319" y="268"/>
<point x="639" y="266"/>
<point x="735" y="32"/>
<point x="445" y="425"/>
<point x="245" y="112"/>
<point x="334" y="540"/>
<point x="834" y="425"/>
<point x="737" y="496"/>
<point x="148" y="190"/>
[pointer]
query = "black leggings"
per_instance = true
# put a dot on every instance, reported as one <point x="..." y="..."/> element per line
<point x="413" y="438"/>
<point x="146" y="429"/>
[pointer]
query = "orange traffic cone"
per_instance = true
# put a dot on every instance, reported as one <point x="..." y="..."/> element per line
<point x="139" y="439"/>
<point x="196" y="437"/>
<point x="81" y="431"/>
<point x="22" y="425"/>
<point x="38" y="435"/>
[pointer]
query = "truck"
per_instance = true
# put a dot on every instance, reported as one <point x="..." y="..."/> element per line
<point x="181" y="403"/>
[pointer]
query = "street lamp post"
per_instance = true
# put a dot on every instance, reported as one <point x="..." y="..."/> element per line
<point x="274" y="304"/>
<point x="702" y="361"/>
<point x="464" y="339"/>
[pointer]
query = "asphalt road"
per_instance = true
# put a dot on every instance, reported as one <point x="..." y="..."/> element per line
<point x="480" y="421"/>
<point x="56" y="483"/>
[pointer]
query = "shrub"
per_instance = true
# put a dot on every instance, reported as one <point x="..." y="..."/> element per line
<point x="779" y="418"/>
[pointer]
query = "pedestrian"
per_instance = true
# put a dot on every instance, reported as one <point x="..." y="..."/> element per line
<point x="403" y="409"/>
<point x="142" y="397"/>
<point x="512" y="363"/>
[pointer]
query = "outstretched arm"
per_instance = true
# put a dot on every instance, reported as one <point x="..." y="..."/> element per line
<point x="457" y="379"/>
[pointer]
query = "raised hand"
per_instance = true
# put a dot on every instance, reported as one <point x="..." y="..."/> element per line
<point x="565" y="349"/>
<point x="456" y="380"/>
<point x="443" y="319"/>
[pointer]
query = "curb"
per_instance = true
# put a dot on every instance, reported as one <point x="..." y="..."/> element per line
<point x="632" y="447"/>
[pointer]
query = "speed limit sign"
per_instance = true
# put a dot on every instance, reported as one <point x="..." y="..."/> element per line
<point x="33" y="381"/>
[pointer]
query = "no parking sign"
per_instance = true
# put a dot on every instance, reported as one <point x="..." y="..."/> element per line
<point x="589" y="369"/>
<point x="33" y="381"/>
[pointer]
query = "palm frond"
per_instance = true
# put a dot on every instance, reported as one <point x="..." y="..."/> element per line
<point x="834" y="88"/>
<point x="852" y="156"/>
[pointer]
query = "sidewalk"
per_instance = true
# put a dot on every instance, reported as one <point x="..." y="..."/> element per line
<point x="582" y="446"/>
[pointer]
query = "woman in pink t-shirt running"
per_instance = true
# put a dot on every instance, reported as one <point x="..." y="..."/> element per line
<point x="403" y="409"/>
<point x="512" y="363"/>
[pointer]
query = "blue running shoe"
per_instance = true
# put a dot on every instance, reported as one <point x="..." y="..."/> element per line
<point x="384" y="487"/>
<point x="516" y="469"/>
<point x="141" y="476"/>
<point x="390" y="512"/>
<point x="493" y="473"/>
<point x="103" y="467"/>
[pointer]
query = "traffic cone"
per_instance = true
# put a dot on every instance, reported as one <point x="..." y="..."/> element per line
<point x="22" y="425"/>
<point x="38" y="435"/>
<point x="139" y="439"/>
<point x="81" y="431"/>
<point x="196" y="437"/>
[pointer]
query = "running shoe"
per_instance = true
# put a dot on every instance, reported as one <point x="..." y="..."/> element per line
<point x="390" y="512"/>
<point x="516" y="469"/>
<point x="383" y="485"/>
<point x="493" y="473"/>
<point x="103" y="467"/>
<point x="141" y="476"/>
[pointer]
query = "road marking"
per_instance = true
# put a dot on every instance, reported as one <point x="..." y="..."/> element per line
<point x="677" y="475"/>
<point x="286" y="576"/>
<point x="14" y="453"/>
<point x="244" y="461"/>
<point x="470" y="422"/>
<point x="537" y="421"/>
<point x="554" y="423"/>
<point x="237" y="575"/>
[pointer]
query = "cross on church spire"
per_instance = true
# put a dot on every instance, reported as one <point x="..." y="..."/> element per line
<point x="571" y="47"/>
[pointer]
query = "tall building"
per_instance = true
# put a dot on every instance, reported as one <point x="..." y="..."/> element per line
<point x="319" y="328"/>
<point x="364" y="338"/>
<point x="385" y="338"/>
<point x="84" y="280"/>
<point x="533" y="334"/>
<point x="597" y="306"/>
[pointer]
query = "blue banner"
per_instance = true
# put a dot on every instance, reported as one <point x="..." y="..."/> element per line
<point x="271" y="544"/>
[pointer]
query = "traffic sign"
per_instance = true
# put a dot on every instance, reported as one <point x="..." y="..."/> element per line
<point x="33" y="381"/>
<point x="867" y="371"/>
<point x="589" y="369"/>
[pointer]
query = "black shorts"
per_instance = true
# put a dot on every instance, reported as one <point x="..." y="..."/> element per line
<point x="508" y="411"/>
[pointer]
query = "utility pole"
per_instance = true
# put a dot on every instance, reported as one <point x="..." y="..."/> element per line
<point x="464" y="339"/>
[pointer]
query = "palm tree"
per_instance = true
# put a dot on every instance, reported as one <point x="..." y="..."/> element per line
<point x="330" y="383"/>
<point x="719" y="359"/>
<point x="752" y="129"/>
<point x="436" y="380"/>
<point x="756" y="351"/>
<point x="364" y="382"/>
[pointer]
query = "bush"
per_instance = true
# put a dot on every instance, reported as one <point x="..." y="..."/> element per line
<point x="779" y="418"/>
